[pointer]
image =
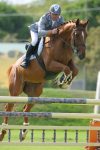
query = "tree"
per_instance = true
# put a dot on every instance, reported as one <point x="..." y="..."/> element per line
<point x="13" y="24"/>
<point x="93" y="57"/>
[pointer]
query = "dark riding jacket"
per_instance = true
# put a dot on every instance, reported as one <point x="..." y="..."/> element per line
<point x="45" y="23"/>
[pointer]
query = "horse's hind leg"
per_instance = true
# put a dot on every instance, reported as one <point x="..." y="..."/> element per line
<point x="15" y="88"/>
<point x="32" y="90"/>
<point x="8" y="107"/>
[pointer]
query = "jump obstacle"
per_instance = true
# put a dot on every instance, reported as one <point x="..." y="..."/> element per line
<point x="43" y="100"/>
<point x="49" y="135"/>
<point x="92" y="132"/>
<point x="54" y="129"/>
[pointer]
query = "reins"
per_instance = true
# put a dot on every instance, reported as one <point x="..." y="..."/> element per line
<point x="62" y="39"/>
<point x="72" y="44"/>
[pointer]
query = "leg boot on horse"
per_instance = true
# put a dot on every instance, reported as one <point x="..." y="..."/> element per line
<point x="24" y="132"/>
<point x="65" y="80"/>
<point x="3" y="132"/>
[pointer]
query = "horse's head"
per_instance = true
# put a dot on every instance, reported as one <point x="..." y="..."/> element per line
<point x="79" y="35"/>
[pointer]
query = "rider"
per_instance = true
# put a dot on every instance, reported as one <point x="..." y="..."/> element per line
<point x="46" y="26"/>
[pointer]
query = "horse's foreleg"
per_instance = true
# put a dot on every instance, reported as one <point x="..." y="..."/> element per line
<point x="68" y="79"/>
<point x="58" y="67"/>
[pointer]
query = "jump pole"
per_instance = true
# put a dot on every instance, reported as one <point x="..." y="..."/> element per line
<point x="74" y="101"/>
<point x="50" y="115"/>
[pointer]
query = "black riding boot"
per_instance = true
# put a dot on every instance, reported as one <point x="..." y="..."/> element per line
<point x="30" y="51"/>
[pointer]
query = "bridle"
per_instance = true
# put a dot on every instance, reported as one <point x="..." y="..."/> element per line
<point x="73" y="40"/>
<point x="73" y="44"/>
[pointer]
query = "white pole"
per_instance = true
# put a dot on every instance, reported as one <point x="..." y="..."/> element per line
<point x="96" y="107"/>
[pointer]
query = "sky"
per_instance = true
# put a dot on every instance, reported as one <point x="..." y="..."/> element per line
<point x="17" y="1"/>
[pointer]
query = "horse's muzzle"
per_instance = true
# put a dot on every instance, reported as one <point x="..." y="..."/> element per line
<point x="81" y="52"/>
<point x="81" y="56"/>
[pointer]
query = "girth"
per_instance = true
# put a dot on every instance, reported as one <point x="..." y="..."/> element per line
<point x="48" y="74"/>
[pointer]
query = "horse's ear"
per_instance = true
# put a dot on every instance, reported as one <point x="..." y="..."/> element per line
<point x="77" y="22"/>
<point x="86" y="22"/>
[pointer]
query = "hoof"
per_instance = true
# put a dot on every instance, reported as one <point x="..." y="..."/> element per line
<point x="2" y="134"/>
<point x="23" y="135"/>
<point x="64" y="86"/>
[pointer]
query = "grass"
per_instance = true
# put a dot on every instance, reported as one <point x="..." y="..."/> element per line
<point x="50" y="92"/>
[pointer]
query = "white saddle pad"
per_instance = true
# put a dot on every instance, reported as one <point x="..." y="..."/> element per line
<point x="40" y="48"/>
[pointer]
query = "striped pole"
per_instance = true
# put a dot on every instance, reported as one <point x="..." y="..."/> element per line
<point x="51" y="115"/>
<point x="42" y="100"/>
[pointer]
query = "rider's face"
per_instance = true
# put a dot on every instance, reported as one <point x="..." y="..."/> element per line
<point x="54" y="17"/>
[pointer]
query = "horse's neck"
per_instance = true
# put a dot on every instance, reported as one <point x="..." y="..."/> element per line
<point x="64" y="36"/>
<point x="66" y="29"/>
<point x="66" y="32"/>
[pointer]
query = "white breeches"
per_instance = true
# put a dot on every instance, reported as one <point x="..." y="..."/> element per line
<point x="34" y="37"/>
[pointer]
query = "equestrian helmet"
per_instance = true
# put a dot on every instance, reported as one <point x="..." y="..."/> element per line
<point x="55" y="9"/>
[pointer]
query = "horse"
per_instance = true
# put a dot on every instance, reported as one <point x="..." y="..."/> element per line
<point x="56" y="57"/>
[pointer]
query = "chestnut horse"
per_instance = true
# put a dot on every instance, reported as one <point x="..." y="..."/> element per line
<point x="56" y="57"/>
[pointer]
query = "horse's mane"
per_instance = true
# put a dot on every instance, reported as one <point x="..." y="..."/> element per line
<point x="67" y="22"/>
<point x="72" y="23"/>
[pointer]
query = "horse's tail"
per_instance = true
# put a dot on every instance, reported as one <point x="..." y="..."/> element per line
<point x="9" y="70"/>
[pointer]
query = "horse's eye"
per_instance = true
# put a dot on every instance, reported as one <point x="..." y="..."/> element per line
<point x="76" y="34"/>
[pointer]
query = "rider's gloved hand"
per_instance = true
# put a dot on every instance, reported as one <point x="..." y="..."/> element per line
<point x="54" y="31"/>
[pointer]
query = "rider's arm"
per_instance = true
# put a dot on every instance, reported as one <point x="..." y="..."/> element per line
<point x="42" y="31"/>
<point x="54" y="31"/>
